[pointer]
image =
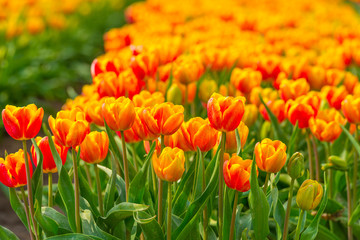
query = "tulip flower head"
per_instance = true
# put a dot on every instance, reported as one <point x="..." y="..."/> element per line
<point x="309" y="195"/>
<point x="200" y="134"/>
<point x="351" y="109"/>
<point x="95" y="147"/>
<point x="22" y="123"/>
<point x="326" y="125"/>
<point x="169" y="165"/>
<point x="12" y="170"/>
<point x="270" y="155"/>
<point x="225" y="113"/>
<point x="49" y="165"/>
<point x="237" y="173"/>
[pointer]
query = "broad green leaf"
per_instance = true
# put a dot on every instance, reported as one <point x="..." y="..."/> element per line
<point x="197" y="190"/>
<point x="312" y="230"/>
<point x="257" y="198"/>
<point x="352" y="139"/>
<point x="279" y="134"/>
<point x="278" y="212"/>
<point x="74" y="236"/>
<point x="120" y="184"/>
<point x="110" y="187"/>
<point x="18" y="206"/>
<point x="90" y="228"/>
<point x="293" y="138"/>
<point x="338" y="146"/>
<point x="149" y="226"/>
<point x="229" y="195"/>
<point x="49" y="225"/>
<point x="113" y="145"/>
<point x="7" y="234"/>
<point x="197" y="206"/>
<point x="122" y="211"/>
<point x="37" y="177"/>
<point x="137" y="186"/>
<point x="333" y="206"/>
<point x="355" y="215"/>
<point x="60" y="219"/>
<point x="86" y="192"/>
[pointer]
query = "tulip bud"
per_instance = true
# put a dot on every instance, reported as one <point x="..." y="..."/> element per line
<point x="174" y="94"/>
<point x="295" y="167"/>
<point x="206" y="88"/>
<point x="309" y="195"/>
<point x="169" y="165"/>
<point x="336" y="163"/>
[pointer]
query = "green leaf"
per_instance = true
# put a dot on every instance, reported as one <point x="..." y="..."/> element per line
<point x="90" y="228"/>
<point x="278" y="212"/>
<point x="37" y="177"/>
<point x="54" y="153"/>
<point x="110" y="187"/>
<point x="74" y="236"/>
<point x="196" y="207"/>
<point x="113" y="145"/>
<point x="137" y="186"/>
<point x="238" y="142"/>
<point x="197" y="190"/>
<point x="86" y="192"/>
<point x="229" y="194"/>
<point x="312" y="230"/>
<point x="149" y="226"/>
<point x="66" y="191"/>
<point x="49" y="225"/>
<point x="293" y="138"/>
<point x="279" y="134"/>
<point x="257" y="198"/>
<point x="7" y="234"/>
<point x="60" y="219"/>
<point x="122" y="211"/>
<point x="120" y="184"/>
<point x="18" y="206"/>
<point x="355" y="215"/>
<point x="333" y="206"/>
<point x="338" y="146"/>
<point x="352" y="139"/>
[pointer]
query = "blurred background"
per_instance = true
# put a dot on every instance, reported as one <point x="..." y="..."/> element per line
<point x="46" y="49"/>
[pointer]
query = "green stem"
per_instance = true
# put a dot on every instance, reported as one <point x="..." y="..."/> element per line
<point x="349" y="205"/>
<point x="221" y="184"/>
<point x="134" y="156"/>
<point x="316" y="156"/>
<point x="331" y="182"/>
<point x="169" y="212"/>
<point x="28" y="185"/>
<point x="354" y="196"/>
<point x="126" y="168"/>
<point x="266" y="183"/>
<point x="288" y="208"/>
<point x="232" y="226"/>
<point x="160" y="193"/>
<point x="27" y="212"/>
<point x="50" y="197"/>
<point x="310" y="157"/>
<point x="205" y="212"/>
<point x="99" y="191"/>
<point x="298" y="227"/>
<point x="186" y="102"/>
<point x="77" y="193"/>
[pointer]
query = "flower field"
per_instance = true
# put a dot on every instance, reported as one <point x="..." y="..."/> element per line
<point x="203" y="120"/>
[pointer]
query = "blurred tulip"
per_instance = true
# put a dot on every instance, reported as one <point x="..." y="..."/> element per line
<point x="95" y="147"/>
<point x="277" y="107"/>
<point x="270" y="155"/>
<point x="245" y="79"/>
<point x="292" y="89"/>
<point x="206" y="88"/>
<point x="334" y="95"/>
<point x="187" y="69"/>
<point x="250" y="114"/>
<point x="351" y="109"/>
<point x="22" y="123"/>
<point x="147" y="99"/>
<point x="169" y="166"/>
<point x="119" y="114"/>
<point x="326" y="125"/>
<point x="231" y="144"/>
<point x="295" y="166"/>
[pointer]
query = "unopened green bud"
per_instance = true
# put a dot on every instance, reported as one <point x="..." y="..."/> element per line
<point x="174" y="94"/>
<point x="309" y="195"/>
<point x="295" y="167"/>
<point x="336" y="163"/>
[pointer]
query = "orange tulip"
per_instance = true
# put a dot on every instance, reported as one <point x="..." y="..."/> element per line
<point x="231" y="144"/>
<point x="292" y="89"/>
<point x="144" y="64"/>
<point x="187" y="69"/>
<point x="335" y="95"/>
<point x="130" y="135"/>
<point x="93" y="111"/>
<point x="180" y="139"/>
<point x="250" y="114"/>
<point x="169" y="166"/>
<point x="69" y="127"/>
<point x="225" y="113"/>
<point x="237" y="173"/>
<point x="22" y="123"/>
<point x="267" y="94"/>
<point x="350" y="82"/>
<point x="12" y="170"/>
<point x="108" y="85"/>
<point x="119" y="114"/>
<point x="147" y="99"/>
<point x="270" y="155"/>
<point x="165" y="118"/>
<point x="351" y="109"/>
<point x="277" y="107"/>
<point x="140" y="128"/>
<point x="326" y="125"/>
<point x="334" y="76"/>
<point x="95" y="147"/>
<point x="49" y="165"/>
<point x="245" y="79"/>
<point x="316" y="77"/>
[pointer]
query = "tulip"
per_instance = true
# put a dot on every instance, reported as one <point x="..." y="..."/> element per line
<point x="299" y="112"/>
<point x="119" y="114"/>
<point x="140" y="128"/>
<point x="245" y="79"/>
<point x="130" y="135"/>
<point x="206" y="88"/>
<point x="174" y="94"/>
<point x="295" y="167"/>
<point x="351" y="109"/>
<point x="309" y="195"/>
<point x="180" y="139"/>
<point x="292" y="89"/>
<point x="267" y="94"/>
<point x="49" y="165"/>
<point x="12" y="170"/>
<point x="169" y="166"/>
<point x="270" y="155"/>
<point x="201" y="134"/>
<point x="22" y="123"/>
<point x="147" y="99"/>
<point x="187" y="69"/>
<point x="326" y="125"/>
<point x="144" y="64"/>
<point x="93" y="112"/>
<point x="277" y="107"/>
<point x="250" y="114"/>
<point x="237" y="173"/>
<point x="108" y="85"/>
<point x="95" y="147"/>
<point x="225" y="113"/>
<point x="335" y="95"/>
<point x="70" y="127"/>
<point x="231" y="144"/>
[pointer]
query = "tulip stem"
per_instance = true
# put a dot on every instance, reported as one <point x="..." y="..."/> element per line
<point x="310" y="157"/>
<point x="160" y="193"/>
<point x="168" y="228"/>
<point x="349" y="204"/>
<point x="134" y="156"/>
<point x="126" y="168"/>
<point x="316" y="156"/>
<point x="186" y="102"/>
<point x="50" y="199"/>
<point x="232" y="226"/>
<point x="354" y="196"/>
<point x="298" y="227"/>
<point x="266" y="183"/>
<point x="288" y="208"/>
<point x="28" y="185"/>
<point x="77" y="194"/>
<point x="221" y="184"/>
<point x="205" y="212"/>
<point x="98" y="186"/>
<point x="27" y="212"/>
